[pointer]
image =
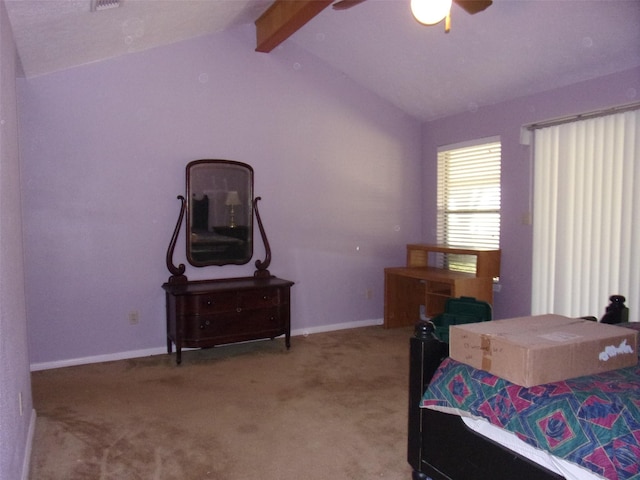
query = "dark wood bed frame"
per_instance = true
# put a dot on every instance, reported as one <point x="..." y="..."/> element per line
<point x="440" y="446"/>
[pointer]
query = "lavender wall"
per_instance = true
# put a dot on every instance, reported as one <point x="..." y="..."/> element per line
<point x="340" y="171"/>
<point x="104" y="148"/>
<point x="505" y="119"/>
<point x="16" y="420"/>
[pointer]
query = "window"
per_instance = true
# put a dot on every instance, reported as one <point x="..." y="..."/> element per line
<point x="469" y="199"/>
<point x="586" y="233"/>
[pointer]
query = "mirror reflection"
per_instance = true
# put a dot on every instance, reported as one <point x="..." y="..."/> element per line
<point x="219" y="212"/>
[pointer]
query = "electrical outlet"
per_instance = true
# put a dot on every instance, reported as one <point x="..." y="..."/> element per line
<point x="368" y="294"/>
<point x="134" y="317"/>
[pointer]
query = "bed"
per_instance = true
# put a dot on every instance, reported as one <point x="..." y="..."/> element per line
<point x="450" y="438"/>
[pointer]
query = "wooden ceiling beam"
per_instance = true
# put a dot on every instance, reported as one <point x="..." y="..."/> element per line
<point x="283" y="18"/>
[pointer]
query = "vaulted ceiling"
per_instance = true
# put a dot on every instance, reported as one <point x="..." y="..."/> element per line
<point x="514" y="48"/>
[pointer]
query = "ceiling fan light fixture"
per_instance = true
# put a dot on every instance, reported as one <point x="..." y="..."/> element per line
<point x="430" y="12"/>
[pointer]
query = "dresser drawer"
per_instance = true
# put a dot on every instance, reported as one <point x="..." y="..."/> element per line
<point x="224" y="326"/>
<point x="209" y="303"/>
<point x="259" y="298"/>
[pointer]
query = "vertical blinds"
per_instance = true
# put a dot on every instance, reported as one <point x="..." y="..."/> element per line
<point x="586" y="233"/>
<point x="469" y="199"/>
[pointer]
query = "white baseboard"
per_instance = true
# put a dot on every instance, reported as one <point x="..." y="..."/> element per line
<point x="110" y="357"/>
<point x="336" y="326"/>
<point x="26" y="462"/>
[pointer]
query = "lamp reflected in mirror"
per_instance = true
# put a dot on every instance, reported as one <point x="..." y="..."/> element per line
<point x="232" y="201"/>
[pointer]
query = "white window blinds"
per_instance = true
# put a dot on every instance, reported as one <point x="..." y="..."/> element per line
<point x="586" y="218"/>
<point x="469" y="199"/>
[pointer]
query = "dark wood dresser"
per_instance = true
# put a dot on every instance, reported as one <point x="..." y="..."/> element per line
<point x="213" y="312"/>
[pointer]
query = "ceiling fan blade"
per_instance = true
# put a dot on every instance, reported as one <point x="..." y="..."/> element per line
<point x="472" y="6"/>
<point x="345" y="4"/>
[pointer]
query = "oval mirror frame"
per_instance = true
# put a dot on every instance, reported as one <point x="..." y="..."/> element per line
<point x="219" y="212"/>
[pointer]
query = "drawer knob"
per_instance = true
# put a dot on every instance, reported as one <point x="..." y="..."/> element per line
<point x="238" y="309"/>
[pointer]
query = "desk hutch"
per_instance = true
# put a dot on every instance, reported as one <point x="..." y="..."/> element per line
<point x="418" y="284"/>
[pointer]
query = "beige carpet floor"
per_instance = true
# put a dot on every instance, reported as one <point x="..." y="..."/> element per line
<point x="334" y="407"/>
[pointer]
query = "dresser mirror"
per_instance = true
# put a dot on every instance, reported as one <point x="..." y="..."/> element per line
<point x="219" y="209"/>
<point x="219" y="212"/>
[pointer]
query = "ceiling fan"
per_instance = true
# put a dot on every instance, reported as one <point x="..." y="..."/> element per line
<point x="284" y="17"/>
<point x="429" y="12"/>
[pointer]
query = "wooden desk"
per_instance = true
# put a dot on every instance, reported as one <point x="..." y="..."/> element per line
<point x="408" y="288"/>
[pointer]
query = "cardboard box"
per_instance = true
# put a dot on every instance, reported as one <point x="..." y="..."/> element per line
<point x="541" y="349"/>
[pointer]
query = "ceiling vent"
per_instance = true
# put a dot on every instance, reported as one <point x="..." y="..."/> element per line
<point x="97" y="5"/>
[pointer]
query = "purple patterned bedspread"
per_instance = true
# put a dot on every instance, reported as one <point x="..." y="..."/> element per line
<point x="593" y="421"/>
